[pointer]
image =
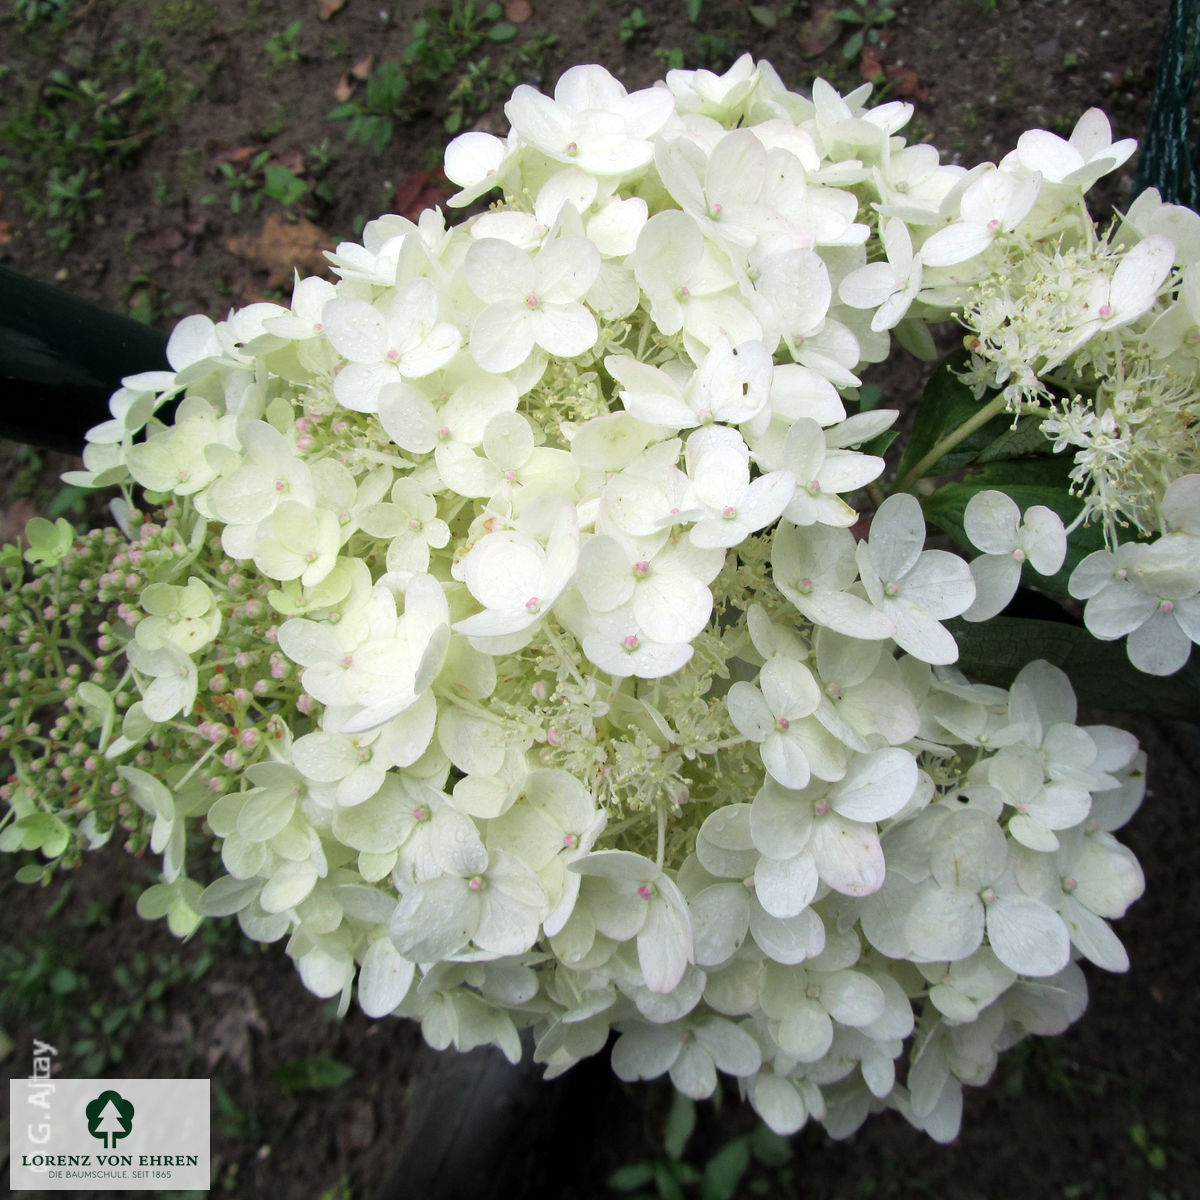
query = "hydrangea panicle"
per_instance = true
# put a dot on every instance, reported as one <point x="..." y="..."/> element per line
<point x="504" y="614"/>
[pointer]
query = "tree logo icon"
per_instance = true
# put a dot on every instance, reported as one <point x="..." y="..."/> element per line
<point x="109" y="1117"/>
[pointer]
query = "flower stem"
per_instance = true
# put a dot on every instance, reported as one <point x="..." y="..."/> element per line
<point x="661" y="849"/>
<point x="197" y="764"/>
<point x="943" y="447"/>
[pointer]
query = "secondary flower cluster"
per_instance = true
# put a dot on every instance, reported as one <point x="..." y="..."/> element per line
<point x="1098" y="337"/>
<point x="519" y="656"/>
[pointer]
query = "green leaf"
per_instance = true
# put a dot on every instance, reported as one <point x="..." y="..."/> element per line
<point x="283" y="185"/>
<point x="1033" y="481"/>
<point x="667" y="1183"/>
<point x="694" y="9"/>
<point x="1100" y="672"/>
<point x="630" y="1177"/>
<point x="67" y="499"/>
<point x="723" y="1172"/>
<point x="770" y="1148"/>
<point x="946" y="404"/>
<point x="870" y="395"/>
<point x="879" y="443"/>
<point x="764" y="16"/>
<point x="1017" y="441"/>
<point x="64" y="981"/>
<point x="504" y="32"/>
<point x="321" y="1072"/>
<point x="681" y="1120"/>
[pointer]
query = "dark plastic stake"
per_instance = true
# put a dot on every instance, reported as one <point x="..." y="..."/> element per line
<point x="480" y="1128"/>
<point x="61" y="358"/>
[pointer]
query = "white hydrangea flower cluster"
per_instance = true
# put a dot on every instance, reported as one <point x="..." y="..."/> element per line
<point x="541" y="678"/>
<point x="1150" y="591"/>
<point x="1099" y="335"/>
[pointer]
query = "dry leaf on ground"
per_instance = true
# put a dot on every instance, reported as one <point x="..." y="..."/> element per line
<point x="229" y="1038"/>
<point x="905" y="83"/>
<point x="292" y="161"/>
<point x="223" y="152"/>
<point x="326" y="8"/>
<point x="870" y="65"/>
<point x="14" y="518"/>
<point x="419" y="191"/>
<point x="820" y="31"/>
<point x="281" y="247"/>
<point x="518" y="11"/>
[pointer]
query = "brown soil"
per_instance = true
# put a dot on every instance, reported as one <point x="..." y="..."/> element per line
<point x="1102" y="1112"/>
